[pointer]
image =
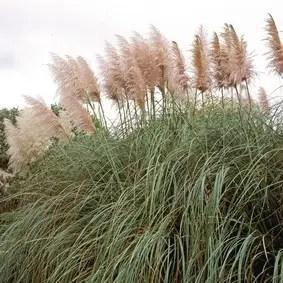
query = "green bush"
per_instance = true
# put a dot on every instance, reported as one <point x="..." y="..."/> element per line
<point x="186" y="198"/>
<point x="5" y="114"/>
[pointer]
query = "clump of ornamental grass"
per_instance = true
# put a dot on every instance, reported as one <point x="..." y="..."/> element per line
<point x="188" y="198"/>
<point x="142" y="76"/>
<point x="37" y="126"/>
<point x="179" y="192"/>
<point x="231" y="63"/>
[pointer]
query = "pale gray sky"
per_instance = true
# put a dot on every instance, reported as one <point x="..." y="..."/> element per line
<point x="31" y="29"/>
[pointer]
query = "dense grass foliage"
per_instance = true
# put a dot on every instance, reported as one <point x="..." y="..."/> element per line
<point x="10" y="114"/>
<point x="186" y="198"/>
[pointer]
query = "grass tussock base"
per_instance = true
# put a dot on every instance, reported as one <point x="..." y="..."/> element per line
<point x="186" y="198"/>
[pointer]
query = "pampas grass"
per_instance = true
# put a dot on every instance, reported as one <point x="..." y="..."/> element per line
<point x="45" y="120"/>
<point x="135" y="87"/>
<point x="263" y="100"/>
<point x="174" y="193"/>
<point x="31" y="137"/>
<point x="5" y="178"/>
<point x="134" y="74"/>
<point x="201" y="62"/>
<point x="75" y="77"/>
<point x="241" y="68"/>
<point x="144" y="56"/>
<point x="178" y="79"/>
<point x="25" y="146"/>
<point x="89" y="81"/>
<point x="218" y="62"/>
<point x="160" y="49"/>
<point x="113" y="82"/>
<point x="66" y="75"/>
<point x="275" y="53"/>
<point x="232" y="64"/>
<point x="78" y="114"/>
<point x="184" y="199"/>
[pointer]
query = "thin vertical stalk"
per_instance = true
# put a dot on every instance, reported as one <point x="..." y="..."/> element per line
<point x="202" y="99"/>
<point x="103" y="114"/>
<point x="211" y="96"/>
<point x="91" y="107"/>
<point x="152" y="104"/>
<point x="120" y="116"/>
<point x="173" y="104"/>
<point x="238" y="96"/>
<point x="129" y="111"/>
<point x="143" y="118"/>
<point x="195" y="101"/>
<point x="249" y="96"/>
<point x="125" y="115"/>
<point x="162" y="89"/>
<point x="188" y="96"/>
<point x="222" y="98"/>
<point x="232" y="98"/>
<point x="188" y="101"/>
<point x="147" y="103"/>
<point x="240" y="108"/>
<point x="136" y="111"/>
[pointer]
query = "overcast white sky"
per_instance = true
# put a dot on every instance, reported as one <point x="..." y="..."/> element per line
<point x="31" y="29"/>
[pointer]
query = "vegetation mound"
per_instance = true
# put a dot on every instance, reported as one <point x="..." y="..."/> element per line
<point x="187" y="198"/>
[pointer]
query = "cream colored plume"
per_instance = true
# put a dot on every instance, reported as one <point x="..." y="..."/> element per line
<point x="143" y="53"/>
<point x="160" y="49"/>
<point x="36" y="126"/>
<point x="201" y="63"/>
<point x="45" y="120"/>
<point x="88" y="80"/>
<point x="178" y="81"/>
<point x="77" y="113"/>
<point x="240" y="62"/>
<point x="135" y="87"/>
<point x="220" y="63"/>
<point x="263" y="100"/>
<point x="275" y="54"/>
<point x="112" y="89"/>
<point x="16" y="150"/>
<point x="25" y="146"/>
<point x="76" y="77"/>
<point x="112" y="74"/>
<point x="66" y="75"/>
<point x="5" y="177"/>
